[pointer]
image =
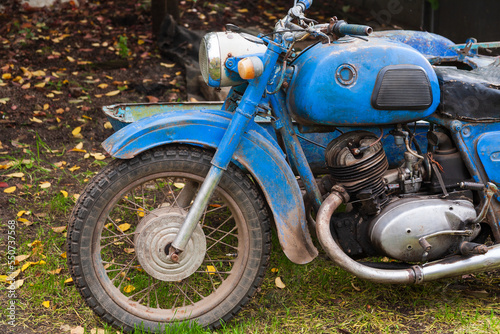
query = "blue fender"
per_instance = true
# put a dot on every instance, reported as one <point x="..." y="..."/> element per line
<point x="258" y="152"/>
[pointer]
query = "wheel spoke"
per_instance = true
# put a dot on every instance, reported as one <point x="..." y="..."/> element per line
<point x="184" y="294"/>
<point x="220" y="240"/>
<point x="148" y="288"/>
<point x="166" y="197"/>
<point x="156" y="297"/>
<point x="173" y="194"/>
<point x="139" y="208"/>
<point x="127" y="268"/>
<point x="196" y="291"/>
<point x="217" y="208"/>
<point x="218" y="228"/>
<point x="118" y="229"/>
<point x="216" y="271"/>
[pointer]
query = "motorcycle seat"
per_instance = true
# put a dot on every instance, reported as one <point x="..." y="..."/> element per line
<point x="472" y="96"/>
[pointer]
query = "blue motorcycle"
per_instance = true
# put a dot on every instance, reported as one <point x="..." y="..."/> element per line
<point x="379" y="144"/>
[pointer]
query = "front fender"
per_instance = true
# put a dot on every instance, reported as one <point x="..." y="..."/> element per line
<point x="258" y="152"/>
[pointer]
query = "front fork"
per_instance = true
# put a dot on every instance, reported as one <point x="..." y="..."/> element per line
<point x="245" y="112"/>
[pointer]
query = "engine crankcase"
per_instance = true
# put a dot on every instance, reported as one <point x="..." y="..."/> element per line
<point x="397" y="229"/>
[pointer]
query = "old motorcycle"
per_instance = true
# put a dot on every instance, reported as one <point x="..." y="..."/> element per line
<point x="380" y="144"/>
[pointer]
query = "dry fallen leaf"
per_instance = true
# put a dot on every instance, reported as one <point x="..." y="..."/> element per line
<point x="59" y="229"/>
<point x="68" y="281"/>
<point x="63" y="255"/>
<point x="113" y="93"/>
<point x="167" y="65"/>
<point x="46" y="304"/>
<point x="279" y="283"/>
<point x="60" y="164"/>
<point x="77" y="330"/>
<point x="18" y="284"/>
<point x="35" y="243"/>
<point x="64" y="193"/>
<point x="274" y="270"/>
<point x="153" y="99"/>
<point x="108" y="125"/>
<point x="211" y="270"/>
<point x="45" y="185"/>
<point x="98" y="156"/>
<point x="128" y="288"/>
<point x="129" y="250"/>
<point x="140" y="212"/>
<point x="25" y="222"/>
<point x="38" y="73"/>
<point x="97" y="331"/>
<point x="19" y="175"/>
<point x="103" y="86"/>
<point x="72" y="169"/>
<point x="55" y="271"/>
<point x="76" y="131"/>
<point x="26" y="266"/>
<point x="10" y="190"/>
<point x="21" y="258"/>
<point x="11" y="277"/>
<point x="124" y="227"/>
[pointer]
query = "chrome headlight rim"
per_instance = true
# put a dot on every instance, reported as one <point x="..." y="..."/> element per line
<point x="210" y="59"/>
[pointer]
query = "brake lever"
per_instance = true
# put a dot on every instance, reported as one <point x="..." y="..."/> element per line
<point x="307" y="20"/>
<point x="234" y="28"/>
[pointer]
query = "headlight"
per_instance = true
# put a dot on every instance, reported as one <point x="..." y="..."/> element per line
<point x="215" y="48"/>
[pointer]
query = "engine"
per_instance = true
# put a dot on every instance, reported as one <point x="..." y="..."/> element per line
<point x="405" y="212"/>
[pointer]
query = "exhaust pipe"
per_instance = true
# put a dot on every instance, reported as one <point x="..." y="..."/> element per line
<point x="451" y="266"/>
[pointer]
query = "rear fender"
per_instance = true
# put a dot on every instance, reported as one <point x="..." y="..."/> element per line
<point x="258" y="152"/>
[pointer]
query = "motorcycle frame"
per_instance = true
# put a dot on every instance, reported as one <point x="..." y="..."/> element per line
<point x="232" y="144"/>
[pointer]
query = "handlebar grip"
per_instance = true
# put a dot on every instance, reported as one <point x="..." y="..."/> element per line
<point x="306" y="3"/>
<point x="341" y="28"/>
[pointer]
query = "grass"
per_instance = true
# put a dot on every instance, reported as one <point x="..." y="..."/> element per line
<point x="318" y="297"/>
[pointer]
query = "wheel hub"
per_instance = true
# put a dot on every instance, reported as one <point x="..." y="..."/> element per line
<point x="154" y="235"/>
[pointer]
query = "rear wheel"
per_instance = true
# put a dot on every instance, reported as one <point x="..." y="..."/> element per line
<point x="122" y="227"/>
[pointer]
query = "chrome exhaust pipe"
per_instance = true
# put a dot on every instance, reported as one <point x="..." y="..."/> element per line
<point x="452" y="266"/>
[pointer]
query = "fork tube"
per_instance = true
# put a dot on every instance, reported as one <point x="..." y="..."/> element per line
<point x="294" y="149"/>
<point x="227" y="146"/>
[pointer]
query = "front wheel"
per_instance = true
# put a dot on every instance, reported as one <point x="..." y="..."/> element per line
<point x="120" y="234"/>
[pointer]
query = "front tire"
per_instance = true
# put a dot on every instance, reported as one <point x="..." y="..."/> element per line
<point x="123" y="221"/>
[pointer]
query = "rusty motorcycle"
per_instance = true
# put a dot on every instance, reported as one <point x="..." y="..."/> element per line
<point x="381" y="144"/>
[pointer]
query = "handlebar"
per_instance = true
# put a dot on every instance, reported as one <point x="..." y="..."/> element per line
<point x="336" y="27"/>
<point x="341" y="28"/>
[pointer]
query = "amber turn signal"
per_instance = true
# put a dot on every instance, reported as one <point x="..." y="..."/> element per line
<point x="250" y="68"/>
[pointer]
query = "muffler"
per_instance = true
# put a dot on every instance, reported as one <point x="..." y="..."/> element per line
<point x="451" y="266"/>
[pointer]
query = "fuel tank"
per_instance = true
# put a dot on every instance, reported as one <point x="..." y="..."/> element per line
<point x="362" y="81"/>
